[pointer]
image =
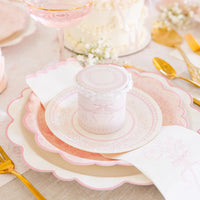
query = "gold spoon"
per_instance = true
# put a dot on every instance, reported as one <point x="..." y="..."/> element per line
<point x="165" y="35"/>
<point x="167" y="70"/>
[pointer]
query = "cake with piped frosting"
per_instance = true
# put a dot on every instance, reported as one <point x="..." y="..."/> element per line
<point x="119" y="24"/>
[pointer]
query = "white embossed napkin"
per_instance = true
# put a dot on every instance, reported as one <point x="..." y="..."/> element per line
<point x="171" y="161"/>
<point x="48" y="83"/>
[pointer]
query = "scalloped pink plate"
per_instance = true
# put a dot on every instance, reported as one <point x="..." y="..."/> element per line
<point x="169" y="101"/>
<point x="172" y="111"/>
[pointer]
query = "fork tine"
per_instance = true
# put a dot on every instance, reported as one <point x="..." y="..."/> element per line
<point x="192" y="42"/>
<point x="5" y="165"/>
<point x="3" y="153"/>
<point x="1" y="159"/>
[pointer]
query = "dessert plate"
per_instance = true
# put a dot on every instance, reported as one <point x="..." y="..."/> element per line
<point x="18" y="36"/>
<point x="173" y="113"/>
<point x="95" y="177"/>
<point x="143" y="122"/>
<point x="12" y="19"/>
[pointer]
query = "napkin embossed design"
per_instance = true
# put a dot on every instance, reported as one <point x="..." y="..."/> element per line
<point x="171" y="161"/>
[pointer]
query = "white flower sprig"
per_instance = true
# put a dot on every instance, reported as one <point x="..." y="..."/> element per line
<point x="96" y="53"/>
<point x="177" y="15"/>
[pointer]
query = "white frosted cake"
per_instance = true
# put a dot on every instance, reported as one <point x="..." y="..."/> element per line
<point x="102" y="93"/>
<point x="119" y="24"/>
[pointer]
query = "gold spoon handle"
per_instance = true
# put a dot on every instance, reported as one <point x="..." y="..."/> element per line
<point x="190" y="66"/>
<point x="28" y="185"/>
<point x="196" y="101"/>
<point x="190" y="81"/>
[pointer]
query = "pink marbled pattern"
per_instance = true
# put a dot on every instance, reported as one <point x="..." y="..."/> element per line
<point x="169" y="102"/>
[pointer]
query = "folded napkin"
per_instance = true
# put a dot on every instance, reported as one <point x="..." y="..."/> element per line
<point x="47" y="84"/>
<point x="171" y="161"/>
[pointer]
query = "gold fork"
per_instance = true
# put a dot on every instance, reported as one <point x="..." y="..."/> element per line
<point x="194" y="45"/>
<point x="7" y="166"/>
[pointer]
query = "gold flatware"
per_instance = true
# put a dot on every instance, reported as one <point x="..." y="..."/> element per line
<point x="167" y="70"/>
<point x="131" y="66"/>
<point x="166" y="35"/>
<point x="193" y="44"/>
<point x="7" y="166"/>
<point x="195" y="100"/>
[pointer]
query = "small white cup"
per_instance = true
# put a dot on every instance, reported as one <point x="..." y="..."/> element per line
<point x="102" y="91"/>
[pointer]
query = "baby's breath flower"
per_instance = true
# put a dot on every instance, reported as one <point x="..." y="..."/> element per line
<point x="80" y="58"/>
<point x="87" y="46"/>
<point x="179" y="16"/>
<point x="97" y="52"/>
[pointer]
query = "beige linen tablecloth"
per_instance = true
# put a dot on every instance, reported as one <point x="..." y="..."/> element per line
<point x="32" y="54"/>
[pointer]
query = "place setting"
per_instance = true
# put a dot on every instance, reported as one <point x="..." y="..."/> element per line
<point x="35" y="118"/>
<point x="36" y="122"/>
<point x="106" y="123"/>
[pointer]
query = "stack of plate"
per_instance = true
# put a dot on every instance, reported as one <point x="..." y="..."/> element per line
<point x="52" y="140"/>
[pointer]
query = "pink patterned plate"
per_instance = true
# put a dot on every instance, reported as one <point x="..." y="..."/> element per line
<point x="169" y="101"/>
<point x="34" y="120"/>
<point x="142" y="124"/>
